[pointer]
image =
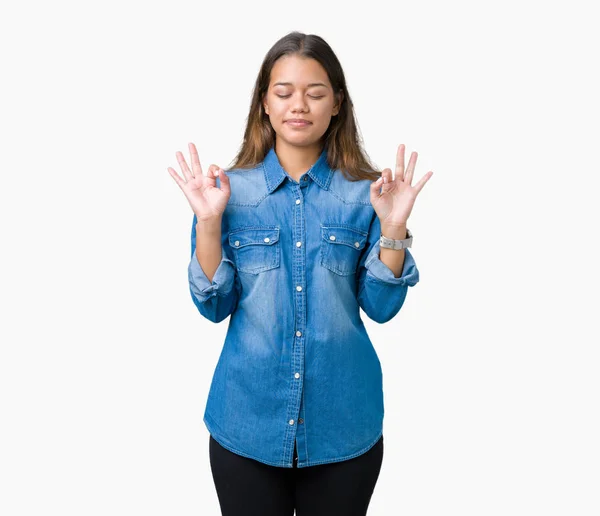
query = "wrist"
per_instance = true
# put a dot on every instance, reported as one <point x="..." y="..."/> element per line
<point x="209" y="225"/>
<point x="395" y="231"/>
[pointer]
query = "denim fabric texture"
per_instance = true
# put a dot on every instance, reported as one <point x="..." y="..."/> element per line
<point x="299" y="258"/>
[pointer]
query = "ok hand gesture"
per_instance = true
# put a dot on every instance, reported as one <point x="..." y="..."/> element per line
<point x="396" y="200"/>
<point x="207" y="201"/>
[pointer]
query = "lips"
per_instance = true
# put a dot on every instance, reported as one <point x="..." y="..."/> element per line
<point x="297" y="122"/>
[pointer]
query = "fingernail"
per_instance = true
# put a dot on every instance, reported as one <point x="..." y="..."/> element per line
<point x="385" y="179"/>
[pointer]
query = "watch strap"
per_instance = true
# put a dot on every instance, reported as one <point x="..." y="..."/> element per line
<point x="390" y="243"/>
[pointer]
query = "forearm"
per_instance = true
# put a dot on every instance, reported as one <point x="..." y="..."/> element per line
<point x="393" y="258"/>
<point x="208" y="246"/>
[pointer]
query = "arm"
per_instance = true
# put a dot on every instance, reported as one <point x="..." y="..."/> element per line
<point x="380" y="293"/>
<point x="214" y="288"/>
<point x="393" y="258"/>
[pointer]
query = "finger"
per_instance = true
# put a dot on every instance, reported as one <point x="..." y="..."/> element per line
<point x="213" y="172"/>
<point x="387" y="179"/>
<point x="400" y="162"/>
<point x="225" y="185"/>
<point x="184" y="166"/>
<point x="408" y="177"/>
<point x="376" y="187"/>
<point x="175" y="176"/>
<point x="422" y="181"/>
<point x="196" y="168"/>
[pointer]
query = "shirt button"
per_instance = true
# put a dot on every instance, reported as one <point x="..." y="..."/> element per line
<point x="237" y="242"/>
<point x="267" y="239"/>
<point x="300" y="421"/>
<point x="356" y="244"/>
<point x="298" y="288"/>
<point x="291" y="421"/>
<point x="298" y="244"/>
<point x="297" y="375"/>
<point x="332" y="237"/>
<point x="297" y="201"/>
<point x="306" y="178"/>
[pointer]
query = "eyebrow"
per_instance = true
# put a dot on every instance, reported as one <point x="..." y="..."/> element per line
<point x="290" y="84"/>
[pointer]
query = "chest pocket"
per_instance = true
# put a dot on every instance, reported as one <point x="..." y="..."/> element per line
<point x="341" y="247"/>
<point x="256" y="249"/>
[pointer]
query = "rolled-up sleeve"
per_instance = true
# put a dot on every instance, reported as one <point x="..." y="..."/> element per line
<point x="217" y="299"/>
<point x="380" y="293"/>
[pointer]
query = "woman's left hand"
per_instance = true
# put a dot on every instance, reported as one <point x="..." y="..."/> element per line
<point x="397" y="198"/>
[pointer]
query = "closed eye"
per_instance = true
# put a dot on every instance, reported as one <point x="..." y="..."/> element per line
<point x="311" y="96"/>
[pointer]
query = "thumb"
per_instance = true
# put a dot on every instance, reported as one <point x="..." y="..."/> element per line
<point x="224" y="181"/>
<point x="375" y="188"/>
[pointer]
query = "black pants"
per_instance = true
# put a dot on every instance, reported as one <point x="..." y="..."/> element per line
<point x="247" y="487"/>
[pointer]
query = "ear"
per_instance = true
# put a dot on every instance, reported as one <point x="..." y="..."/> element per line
<point x="265" y="107"/>
<point x="338" y="104"/>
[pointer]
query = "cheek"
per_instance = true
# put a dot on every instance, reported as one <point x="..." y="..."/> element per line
<point x="324" y="113"/>
<point x="277" y="109"/>
<point x="323" y="108"/>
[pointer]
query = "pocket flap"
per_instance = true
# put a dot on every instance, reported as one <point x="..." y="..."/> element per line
<point x="253" y="236"/>
<point x="353" y="237"/>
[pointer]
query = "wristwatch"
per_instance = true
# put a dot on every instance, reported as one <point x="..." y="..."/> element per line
<point x="390" y="243"/>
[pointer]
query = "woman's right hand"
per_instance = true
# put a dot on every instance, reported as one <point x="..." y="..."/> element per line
<point x="207" y="201"/>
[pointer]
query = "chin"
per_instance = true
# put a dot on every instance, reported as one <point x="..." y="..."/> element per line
<point x="299" y="141"/>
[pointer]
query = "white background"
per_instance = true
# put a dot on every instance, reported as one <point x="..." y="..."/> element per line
<point x="491" y="368"/>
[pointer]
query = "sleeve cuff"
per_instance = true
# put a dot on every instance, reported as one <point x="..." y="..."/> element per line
<point x="222" y="282"/>
<point x="379" y="271"/>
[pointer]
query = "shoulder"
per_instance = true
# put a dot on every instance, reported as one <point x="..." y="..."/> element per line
<point x="350" y="192"/>
<point x="248" y="185"/>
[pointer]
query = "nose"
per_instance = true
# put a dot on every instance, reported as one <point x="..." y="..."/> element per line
<point x="299" y="104"/>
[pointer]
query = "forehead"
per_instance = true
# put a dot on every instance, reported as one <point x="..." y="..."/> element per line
<point x="297" y="71"/>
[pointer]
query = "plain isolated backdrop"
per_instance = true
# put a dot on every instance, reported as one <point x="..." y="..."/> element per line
<point x="491" y="367"/>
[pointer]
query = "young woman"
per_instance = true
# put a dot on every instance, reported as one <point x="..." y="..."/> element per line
<point x="291" y="241"/>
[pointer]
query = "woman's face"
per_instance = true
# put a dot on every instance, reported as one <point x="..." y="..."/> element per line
<point x="299" y="89"/>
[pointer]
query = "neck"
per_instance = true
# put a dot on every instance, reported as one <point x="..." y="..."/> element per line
<point x="297" y="160"/>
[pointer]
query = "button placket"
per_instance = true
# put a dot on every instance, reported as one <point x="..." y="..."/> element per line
<point x="298" y="278"/>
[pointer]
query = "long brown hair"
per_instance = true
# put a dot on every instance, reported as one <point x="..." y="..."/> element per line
<point x="342" y="139"/>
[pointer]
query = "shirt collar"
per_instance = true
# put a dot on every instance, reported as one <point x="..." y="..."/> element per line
<point x="320" y="172"/>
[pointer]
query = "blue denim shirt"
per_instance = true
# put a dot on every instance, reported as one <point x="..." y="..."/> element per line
<point x="297" y="366"/>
